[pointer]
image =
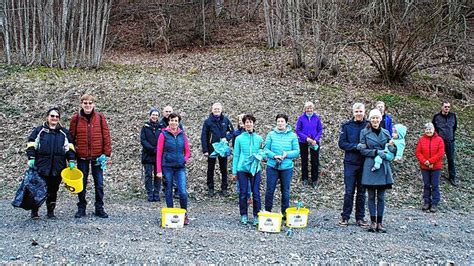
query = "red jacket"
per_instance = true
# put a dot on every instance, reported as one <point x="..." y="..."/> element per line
<point x="91" y="138"/>
<point x="430" y="149"/>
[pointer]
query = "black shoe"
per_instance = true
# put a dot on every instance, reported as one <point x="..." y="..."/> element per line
<point x="305" y="182"/>
<point x="343" y="222"/>
<point x="51" y="215"/>
<point x="210" y="192"/>
<point x="434" y="208"/>
<point x="362" y="223"/>
<point x="426" y="207"/>
<point x="34" y="214"/>
<point x="453" y="182"/>
<point x="224" y="193"/>
<point x="80" y="213"/>
<point x="381" y="228"/>
<point x="101" y="214"/>
<point x="50" y="207"/>
<point x="150" y="198"/>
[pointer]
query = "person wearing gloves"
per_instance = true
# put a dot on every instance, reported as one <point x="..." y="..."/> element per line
<point x="430" y="152"/>
<point x="309" y="130"/>
<point x="373" y="139"/>
<point x="48" y="148"/>
<point x="149" y="138"/>
<point x="246" y="148"/>
<point x="215" y="128"/>
<point x="172" y="153"/>
<point x="399" y="132"/>
<point x="91" y="135"/>
<point x="281" y="148"/>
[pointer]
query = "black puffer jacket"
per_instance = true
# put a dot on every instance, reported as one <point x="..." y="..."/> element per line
<point x="50" y="148"/>
<point x="213" y="130"/>
<point x="149" y="138"/>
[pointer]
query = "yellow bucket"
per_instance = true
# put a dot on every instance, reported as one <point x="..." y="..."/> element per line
<point x="269" y="222"/>
<point x="72" y="179"/>
<point x="297" y="218"/>
<point x="172" y="217"/>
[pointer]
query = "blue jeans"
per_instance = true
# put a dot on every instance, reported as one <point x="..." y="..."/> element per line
<point x="152" y="183"/>
<point x="179" y="174"/>
<point x="431" y="194"/>
<point x="285" y="180"/>
<point x="98" y="175"/>
<point x="249" y="189"/>
<point x="352" y="182"/>
<point x="255" y="181"/>
<point x="376" y="209"/>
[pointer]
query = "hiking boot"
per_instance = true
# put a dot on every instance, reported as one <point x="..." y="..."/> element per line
<point x="343" y="222"/>
<point x="34" y="214"/>
<point x="244" y="219"/>
<point x="210" y="192"/>
<point x="372" y="227"/>
<point x="362" y="223"/>
<point x="224" y="193"/>
<point x="381" y="228"/>
<point x="80" y="213"/>
<point x="434" y="208"/>
<point x="50" y="207"/>
<point x="186" y="220"/>
<point x="101" y="214"/>
<point x="156" y="198"/>
<point x="150" y="198"/>
<point x="426" y="207"/>
<point x="305" y="183"/>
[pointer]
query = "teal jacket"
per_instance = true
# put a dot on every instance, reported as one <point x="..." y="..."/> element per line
<point x="245" y="145"/>
<point x="278" y="142"/>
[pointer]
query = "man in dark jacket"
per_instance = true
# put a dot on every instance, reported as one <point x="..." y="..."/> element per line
<point x="91" y="134"/>
<point x="445" y="123"/>
<point x="149" y="138"/>
<point x="353" y="164"/>
<point x="215" y="128"/>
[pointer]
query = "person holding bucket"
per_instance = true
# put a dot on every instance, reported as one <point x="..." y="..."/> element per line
<point x="171" y="156"/>
<point x="246" y="165"/>
<point x="281" y="147"/>
<point x="91" y="136"/>
<point x="48" y="148"/>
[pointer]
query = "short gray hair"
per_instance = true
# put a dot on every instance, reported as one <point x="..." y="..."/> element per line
<point x="356" y="106"/>
<point x="308" y="104"/>
<point x="429" y="125"/>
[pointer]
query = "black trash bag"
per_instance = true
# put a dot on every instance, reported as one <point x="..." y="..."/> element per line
<point x="32" y="191"/>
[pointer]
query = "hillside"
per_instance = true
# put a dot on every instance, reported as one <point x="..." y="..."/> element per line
<point x="245" y="80"/>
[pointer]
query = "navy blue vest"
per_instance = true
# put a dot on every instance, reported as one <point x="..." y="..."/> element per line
<point x="173" y="150"/>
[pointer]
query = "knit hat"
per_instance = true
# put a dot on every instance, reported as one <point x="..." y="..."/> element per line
<point x="375" y="112"/>
<point x="152" y="110"/>
<point x="429" y="125"/>
<point x="53" y="109"/>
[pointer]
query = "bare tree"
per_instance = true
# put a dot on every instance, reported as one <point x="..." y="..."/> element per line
<point x="51" y="25"/>
<point x="275" y="15"/>
<point x="401" y="37"/>
<point x="294" y="21"/>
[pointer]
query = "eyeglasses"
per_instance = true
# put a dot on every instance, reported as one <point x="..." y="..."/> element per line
<point x="446" y="107"/>
<point x="54" y="116"/>
<point x="88" y="103"/>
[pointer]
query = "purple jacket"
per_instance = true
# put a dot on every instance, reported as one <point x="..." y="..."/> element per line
<point x="306" y="127"/>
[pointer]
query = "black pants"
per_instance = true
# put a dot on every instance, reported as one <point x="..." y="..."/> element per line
<point x="53" y="183"/>
<point x="305" y="151"/>
<point x="211" y="165"/>
<point x="449" y="149"/>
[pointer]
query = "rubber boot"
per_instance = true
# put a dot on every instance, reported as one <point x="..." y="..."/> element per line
<point x="50" y="207"/>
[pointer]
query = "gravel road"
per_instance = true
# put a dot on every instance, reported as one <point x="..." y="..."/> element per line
<point x="133" y="234"/>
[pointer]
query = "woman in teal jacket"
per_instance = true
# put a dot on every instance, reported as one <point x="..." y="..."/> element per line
<point x="281" y="147"/>
<point x="246" y="165"/>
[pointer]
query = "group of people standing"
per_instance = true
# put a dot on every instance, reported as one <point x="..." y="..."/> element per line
<point x="369" y="145"/>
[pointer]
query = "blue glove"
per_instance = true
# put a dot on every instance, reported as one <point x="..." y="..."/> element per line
<point x="72" y="164"/>
<point x="31" y="163"/>
<point x="102" y="161"/>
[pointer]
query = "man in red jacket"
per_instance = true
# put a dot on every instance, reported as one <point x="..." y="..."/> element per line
<point x="91" y="136"/>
